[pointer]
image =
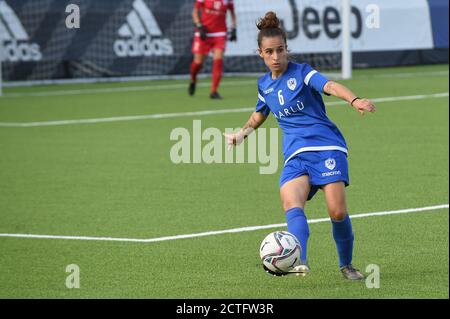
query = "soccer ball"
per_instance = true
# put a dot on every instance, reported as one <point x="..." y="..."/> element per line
<point x="280" y="252"/>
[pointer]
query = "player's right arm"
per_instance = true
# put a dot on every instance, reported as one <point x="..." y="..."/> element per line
<point x="255" y="121"/>
<point x="196" y="15"/>
<point x="197" y="20"/>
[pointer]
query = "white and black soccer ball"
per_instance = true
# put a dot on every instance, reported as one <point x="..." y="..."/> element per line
<point x="280" y="252"/>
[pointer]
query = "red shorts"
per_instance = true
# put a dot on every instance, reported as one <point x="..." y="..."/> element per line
<point x="200" y="46"/>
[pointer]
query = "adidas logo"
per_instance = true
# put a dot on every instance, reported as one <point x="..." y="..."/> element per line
<point x="15" y="38"/>
<point x="141" y="34"/>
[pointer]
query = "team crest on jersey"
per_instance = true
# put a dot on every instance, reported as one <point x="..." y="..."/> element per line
<point x="292" y="83"/>
<point x="330" y="163"/>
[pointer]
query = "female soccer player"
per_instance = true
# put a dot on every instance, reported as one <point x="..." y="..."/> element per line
<point x="210" y="17"/>
<point x="314" y="149"/>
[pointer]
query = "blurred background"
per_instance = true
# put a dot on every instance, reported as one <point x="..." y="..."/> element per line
<point x="153" y="38"/>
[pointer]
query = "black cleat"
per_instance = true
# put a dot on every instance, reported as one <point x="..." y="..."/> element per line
<point x="270" y="272"/>
<point x="301" y="270"/>
<point x="191" y="89"/>
<point x="215" y="96"/>
<point x="352" y="273"/>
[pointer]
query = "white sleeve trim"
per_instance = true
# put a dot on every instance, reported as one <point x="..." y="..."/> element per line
<point x="308" y="77"/>
<point x="317" y="149"/>
<point x="261" y="98"/>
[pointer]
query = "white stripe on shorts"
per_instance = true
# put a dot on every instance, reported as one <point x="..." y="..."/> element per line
<point x="317" y="149"/>
<point x="212" y="35"/>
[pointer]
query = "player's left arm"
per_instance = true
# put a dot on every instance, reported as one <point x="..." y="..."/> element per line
<point x="232" y="34"/>
<point x="233" y="18"/>
<point x="340" y="91"/>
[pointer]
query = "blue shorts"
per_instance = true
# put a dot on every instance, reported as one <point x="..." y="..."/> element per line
<point x="324" y="167"/>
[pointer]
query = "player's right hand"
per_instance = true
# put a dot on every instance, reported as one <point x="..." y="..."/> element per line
<point x="233" y="139"/>
<point x="202" y="31"/>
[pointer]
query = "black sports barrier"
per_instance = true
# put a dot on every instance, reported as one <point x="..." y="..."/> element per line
<point x="119" y="38"/>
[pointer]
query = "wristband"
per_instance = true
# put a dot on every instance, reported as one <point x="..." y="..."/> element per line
<point x="356" y="98"/>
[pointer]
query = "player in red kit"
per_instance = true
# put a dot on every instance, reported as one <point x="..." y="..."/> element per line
<point x="210" y="19"/>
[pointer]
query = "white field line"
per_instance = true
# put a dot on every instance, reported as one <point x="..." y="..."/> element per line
<point x="404" y="74"/>
<point x="198" y="113"/>
<point x="124" y="89"/>
<point x="184" y="85"/>
<point x="226" y="231"/>
<point x="125" y="118"/>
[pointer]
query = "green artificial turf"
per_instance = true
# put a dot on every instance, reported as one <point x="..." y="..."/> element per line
<point x="116" y="179"/>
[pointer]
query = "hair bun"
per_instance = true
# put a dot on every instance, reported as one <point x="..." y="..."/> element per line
<point x="270" y="21"/>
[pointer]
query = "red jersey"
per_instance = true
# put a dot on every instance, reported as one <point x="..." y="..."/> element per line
<point x="214" y="15"/>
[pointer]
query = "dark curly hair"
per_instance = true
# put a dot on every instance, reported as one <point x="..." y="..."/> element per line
<point x="269" y="26"/>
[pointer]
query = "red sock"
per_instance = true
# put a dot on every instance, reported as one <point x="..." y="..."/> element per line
<point x="195" y="68"/>
<point x="217" y="74"/>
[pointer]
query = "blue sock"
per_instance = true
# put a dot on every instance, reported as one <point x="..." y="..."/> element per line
<point x="298" y="226"/>
<point x="343" y="236"/>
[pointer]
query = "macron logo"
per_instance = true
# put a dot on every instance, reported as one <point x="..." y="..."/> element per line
<point x="15" y="38"/>
<point x="141" y="34"/>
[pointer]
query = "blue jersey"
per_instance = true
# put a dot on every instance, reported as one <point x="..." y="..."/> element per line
<point x="295" y="100"/>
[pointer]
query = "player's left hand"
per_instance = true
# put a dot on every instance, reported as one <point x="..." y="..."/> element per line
<point x="232" y="36"/>
<point x="364" y="105"/>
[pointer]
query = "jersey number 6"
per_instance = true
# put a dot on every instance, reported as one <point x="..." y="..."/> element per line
<point x="280" y="97"/>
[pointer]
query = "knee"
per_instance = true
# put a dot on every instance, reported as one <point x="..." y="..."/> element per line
<point x="337" y="214"/>
<point x="292" y="196"/>
<point x="289" y="203"/>
<point x="199" y="60"/>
